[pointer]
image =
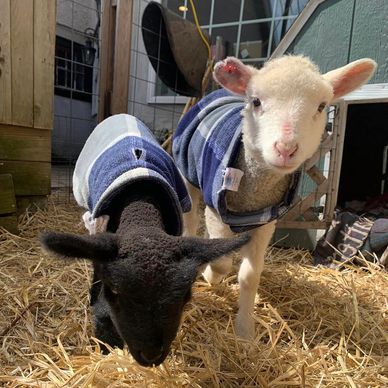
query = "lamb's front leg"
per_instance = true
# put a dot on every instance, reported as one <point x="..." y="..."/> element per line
<point x="249" y="277"/>
<point x="191" y="219"/>
<point x="216" y="271"/>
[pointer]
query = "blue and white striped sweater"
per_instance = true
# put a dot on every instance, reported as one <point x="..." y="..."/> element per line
<point x="206" y="143"/>
<point x="120" y="152"/>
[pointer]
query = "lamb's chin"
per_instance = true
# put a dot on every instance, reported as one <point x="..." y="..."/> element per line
<point x="282" y="169"/>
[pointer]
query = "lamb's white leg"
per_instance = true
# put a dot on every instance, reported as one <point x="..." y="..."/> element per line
<point x="191" y="219"/>
<point x="249" y="277"/>
<point x="217" y="270"/>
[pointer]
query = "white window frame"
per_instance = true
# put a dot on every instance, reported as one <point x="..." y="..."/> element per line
<point x="152" y="98"/>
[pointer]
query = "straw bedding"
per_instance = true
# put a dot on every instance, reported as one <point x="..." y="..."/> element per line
<point x="314" y="327"/>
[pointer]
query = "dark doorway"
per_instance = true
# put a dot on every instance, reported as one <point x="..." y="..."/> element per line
<point x="362" y="163"/>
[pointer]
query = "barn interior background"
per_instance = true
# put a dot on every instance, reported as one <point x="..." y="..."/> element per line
<point x="314" y="326"/>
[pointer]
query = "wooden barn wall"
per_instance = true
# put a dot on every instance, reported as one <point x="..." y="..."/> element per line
<point x="27" y="42"/>
<point x="341" y="31"/>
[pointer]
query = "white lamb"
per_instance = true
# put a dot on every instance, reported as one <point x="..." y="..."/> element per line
<point x="283" y="118"/>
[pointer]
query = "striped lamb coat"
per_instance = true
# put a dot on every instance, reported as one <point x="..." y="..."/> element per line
<point x="205" y="148"/>
<point x="120" y="152"/>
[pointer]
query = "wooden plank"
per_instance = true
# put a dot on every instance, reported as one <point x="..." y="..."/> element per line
<point x="7" y="195"/>
<point x="29" y="178"/>
<point x="122" y="56"/>
<point x="5" y="63"/>
<point x="316" y="175"/>
<point x="44" y="62"/>
<point x="10" y="223"/>
<point x="106" y="58"/>
<point x="22" y="60"/>
<point x="21" y="143"/>
<point x="336" y="159"/>
<point x="302" y="224"/>
<point x="307" y="202"/>
<point x="310" y="215"/>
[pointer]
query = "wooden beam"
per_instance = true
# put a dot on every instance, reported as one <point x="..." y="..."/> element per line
<point x="44" y="62"/>
<point x="122" y="56"/>
<point x="307" y="202"/>
<point x="316" y="175"/>
<point x="27" y="144"/>
<point x="302" y="224"/>
<point x="310" y="215"/>
<point x="22" y="62"/>
<point x="108" y="18"/>
<point x="7" y="195"/>
<point x="116" y="32"/>
<point x="336" y="158"/>
<point x="5" y="63"/>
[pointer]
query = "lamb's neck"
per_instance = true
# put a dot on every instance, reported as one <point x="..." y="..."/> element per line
<point x="260" y="185"/>
<point x="140" y="213"/>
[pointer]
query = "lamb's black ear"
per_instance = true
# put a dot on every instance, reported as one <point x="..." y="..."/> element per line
<point x="101" y="247"/>
<point x="204" y="250"/>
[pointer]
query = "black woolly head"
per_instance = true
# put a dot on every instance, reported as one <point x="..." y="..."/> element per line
<point x="144" y="280"/>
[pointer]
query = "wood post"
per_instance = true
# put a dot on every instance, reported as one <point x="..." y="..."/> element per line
<point x="27" y="56"/>
<point x="8" y="218"/>
<point x="116" y="32"/>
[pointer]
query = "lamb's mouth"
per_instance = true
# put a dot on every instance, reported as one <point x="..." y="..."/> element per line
<point x="283" y="168"/>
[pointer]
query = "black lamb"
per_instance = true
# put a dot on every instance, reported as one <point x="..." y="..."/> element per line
<point x="143" y="268"/>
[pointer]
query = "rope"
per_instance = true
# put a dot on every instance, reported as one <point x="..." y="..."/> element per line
<point x="200" y="31"/>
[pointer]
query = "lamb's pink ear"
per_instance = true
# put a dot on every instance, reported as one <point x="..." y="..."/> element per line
<point x="350" y="77"/>
<point x="233" y="75"/>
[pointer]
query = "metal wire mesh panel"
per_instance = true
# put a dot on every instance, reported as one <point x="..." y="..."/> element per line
<point x="76" y="87"/>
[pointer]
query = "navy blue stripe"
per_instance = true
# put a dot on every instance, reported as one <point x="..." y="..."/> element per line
<point x="121" y="157"/>
<point x="214" y="151"/>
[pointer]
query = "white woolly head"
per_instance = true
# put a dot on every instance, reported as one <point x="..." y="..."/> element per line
<point x="285" y="115"/>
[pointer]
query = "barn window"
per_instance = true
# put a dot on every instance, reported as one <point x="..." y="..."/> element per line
<point x="73" y="77"/>
<point x="249" y="30"/>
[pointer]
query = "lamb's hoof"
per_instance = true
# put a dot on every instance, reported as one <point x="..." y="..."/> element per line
<point x="211" y="276"/>
<point x="245" y="328"/>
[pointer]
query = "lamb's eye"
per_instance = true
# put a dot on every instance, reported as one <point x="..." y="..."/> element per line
<point x="321" y="107"/>
<point x="256" y="102"/>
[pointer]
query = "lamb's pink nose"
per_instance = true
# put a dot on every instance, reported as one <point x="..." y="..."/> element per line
<point x="286" y="150"/>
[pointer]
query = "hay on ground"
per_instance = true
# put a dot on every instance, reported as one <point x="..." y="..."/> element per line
<point x="314" y="327"/>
